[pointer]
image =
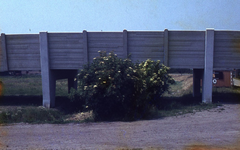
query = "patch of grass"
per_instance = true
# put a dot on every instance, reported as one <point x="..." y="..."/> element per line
<point x="62" y="87"/>
<point x="179" y="109"/>
<point x="226" y="94"/>
<point x="178" y="90"/>
<point x="35" y="114"/>
<point x="31" y="115"/>
<point x="30" y="85"/>
<point x="24" y="93"/>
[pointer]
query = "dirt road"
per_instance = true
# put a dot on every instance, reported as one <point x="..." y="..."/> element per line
<point x="218" y="127"/>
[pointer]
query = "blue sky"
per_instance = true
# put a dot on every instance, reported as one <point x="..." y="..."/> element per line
<point x="33" y="16"/>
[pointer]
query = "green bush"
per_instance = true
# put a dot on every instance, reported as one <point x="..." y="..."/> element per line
<point x="115" y="88"/>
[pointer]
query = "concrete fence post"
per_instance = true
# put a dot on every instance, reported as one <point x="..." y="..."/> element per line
<point x="48" y="78"/>
<point x="125" y="44"/>
<point x="208" y="67"/>
<point x="85" y="47"/>
<point x="165" y="44"/>
<point x="4" y="63"/>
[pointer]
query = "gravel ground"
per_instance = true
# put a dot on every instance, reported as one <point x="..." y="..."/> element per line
<point x="217" y="127"/>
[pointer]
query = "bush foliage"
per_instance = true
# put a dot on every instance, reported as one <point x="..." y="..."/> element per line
<point x="116" y="88"/>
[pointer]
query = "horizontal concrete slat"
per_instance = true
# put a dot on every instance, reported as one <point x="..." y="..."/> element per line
<point x="23" y="51"/>
<point x="24" y="64"/>
<point x="144" y="44"/>
<point x="13" y="57"/>
<point x="226" y="49"/>
<point x="65" y="46"/>
<point x="146" y="34"/>
<point x="147" y="54"/>
<point x="22" y="39"/>
<point x="185" y="48"/>
<point x="187" y="52"/>
<point x="63" y="51"/>
<point x="107" y="49"/>
<point x="188" y="43"/>
<point x="58" y="64"/>
<point x="142" y="38"/>
<point x="145" y="49"/>
<point x="186" y="61"/>
<point x="140" y="59"/>
<point x="67" y="57"/>
<point x="30" y="46"/>
<point x="186" y="35"/>
<point x="105" y="35"/>
<point x="66" y="35"/>
<point x="64" y="40"/>
<point x="104" y="44"/>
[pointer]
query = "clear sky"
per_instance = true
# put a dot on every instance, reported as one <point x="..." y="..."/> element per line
<point x="33" y="16"/>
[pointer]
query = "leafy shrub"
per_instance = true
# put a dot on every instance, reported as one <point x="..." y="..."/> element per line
<point x="115" y="88"/>
<point x="151" y="81"/>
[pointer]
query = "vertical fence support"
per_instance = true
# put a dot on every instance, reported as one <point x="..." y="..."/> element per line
<point x="72" y="84"/>
<point x="48" y="78"/>
<point x="85" y="47"/>
<point x="197" y="75"/>
<point x="72" y="80"/>
<point x="208" y="67"/>
<point x="4" y="63"/>
<point x="165" y="44"/>
<point x="125" y="44"/>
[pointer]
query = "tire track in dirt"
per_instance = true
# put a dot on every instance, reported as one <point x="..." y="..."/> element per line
<point x="217" y="128"/>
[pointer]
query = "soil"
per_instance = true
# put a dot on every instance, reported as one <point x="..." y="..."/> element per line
<point x="217" y="128"/>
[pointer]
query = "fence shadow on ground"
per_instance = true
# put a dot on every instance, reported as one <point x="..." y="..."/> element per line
<point x="63" y="103"/>
<point x="226" y="98"/>
<point x="188" y="99"/>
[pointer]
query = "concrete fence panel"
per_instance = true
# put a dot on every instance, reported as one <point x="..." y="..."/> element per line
<point x="227" y="49"/>
<point x="107" y="41"/>
<point x="144" y="45"/>
<point x="65" y="50"/>
<point x="186" y="49"/>
<point x="23" y="52"/>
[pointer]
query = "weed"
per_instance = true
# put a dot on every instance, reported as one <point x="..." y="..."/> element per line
<point x="25" y="107"/>
<point x="31" y="115"/>
<point x="29" y="85"/>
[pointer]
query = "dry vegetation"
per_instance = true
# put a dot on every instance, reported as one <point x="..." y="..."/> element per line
<point x="25" y="91"/>
<point x="185" y="118"/>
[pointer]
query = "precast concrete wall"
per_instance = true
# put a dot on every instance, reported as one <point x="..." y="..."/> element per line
<point x="55" y="53"/>
<point x="179" y="49"/>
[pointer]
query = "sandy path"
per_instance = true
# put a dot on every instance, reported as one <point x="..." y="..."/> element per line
<point x="216" y="127"/>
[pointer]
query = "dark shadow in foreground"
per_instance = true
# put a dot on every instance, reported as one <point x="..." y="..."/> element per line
<point x="63" y="104"/>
